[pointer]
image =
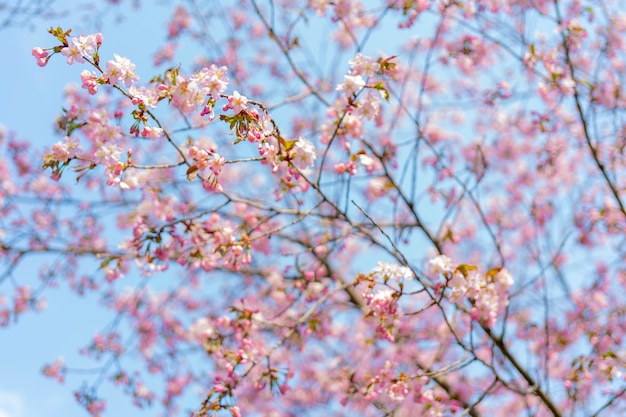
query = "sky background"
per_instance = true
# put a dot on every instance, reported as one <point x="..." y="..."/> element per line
<point x="32" y="98"/>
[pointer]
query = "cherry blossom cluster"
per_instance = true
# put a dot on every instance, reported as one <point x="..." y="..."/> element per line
<point x="41" y="55"/>
<point x="24" y="300"/>
<point x="234" y="342"/>
<point x="94" y="405"/>
<point x="384" y="290"/>
<point x="207" y="245"/>
<point x="258" y="127"/>
<point x="487" y="293"/>
<point x="181" y="20"/>
<point x="84" y="48"/>
<point x="81" y="47"/>
<point x="383" y="305"/>
<point x="188" y="92"/>
<point x="302" y="153"/>
<point x="398" y="387"/>
<point x="95" y="125"/>
<point x="386" y="383"/>
<point x="66" y="150"/>
<point x="467" y="54"/>
<point x="120" y="69"/>
<point x="385" y="271"/>
<point x="101" y="344"/>
<point x="363" y="91"/>
<point x="482" y="140"/>
<point x="55" y="370"/>
<point x="203" y="159"/>
<point x="365" y="73"/>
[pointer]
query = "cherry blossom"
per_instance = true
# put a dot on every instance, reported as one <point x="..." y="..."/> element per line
<point x="335" y="207"/>
<point x="303" y="153"/>
<point x="120" y="69"/>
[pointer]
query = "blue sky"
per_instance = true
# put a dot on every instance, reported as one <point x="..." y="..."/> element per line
<point x="32" y="98"/>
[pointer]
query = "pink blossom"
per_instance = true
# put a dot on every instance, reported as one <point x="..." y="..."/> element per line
<point x="73" y="53"/>
<point x="385" y="271"/>
<point x="201" y="330"/>
<point x="187" y="93"/>
<point x="165" y="54"/>
<point x="108" y="153"/>
<point x="96" y="407"/>
<point x="211" y="183"/>
<point x="89" y="79"/>
<point x="147" y="95"/>
<point x="303" y="153"/>
<point x="236" y="102"/>
<point x="152" y="132"/>
<point x="41" y="56"/>
<point x="412" y="10"/>
<point x="364" y="66"/>
<point x="202" y="88"/>
<point x="398" y="391"/>
<point x="352" y="84"/>
<point x="142" y="395"/>
<point x="320" y="6"/>
<point x="120" y="69"/>
<point x="66" y="150"/>
<point x="441" y="265"/>
<point x="487" y="292"/>
<point x="56" y="370"/>
<point x="180" y="20"/>
<point x="215" y="79"/>
<point x="382" y="303"/>
<point x="217" y="163"/>
<point x="371" y="164"/>
<point x="377" y="187"/>
<point x="82" y="47"/>
<point x="368" y="108"/>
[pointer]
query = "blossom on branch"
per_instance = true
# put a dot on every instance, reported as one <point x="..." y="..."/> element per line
<point x="82" y="47"/>
<point x="303" y="153"/>
<point x="120" y="69"/>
